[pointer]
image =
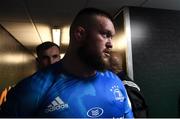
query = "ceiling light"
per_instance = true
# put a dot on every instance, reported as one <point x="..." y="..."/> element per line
<point x="56" y="36"/>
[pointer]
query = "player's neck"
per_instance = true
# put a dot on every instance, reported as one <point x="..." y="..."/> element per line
<point x="74" y="66"/>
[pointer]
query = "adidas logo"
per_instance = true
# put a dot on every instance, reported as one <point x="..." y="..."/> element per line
<point x="56" y="104"/>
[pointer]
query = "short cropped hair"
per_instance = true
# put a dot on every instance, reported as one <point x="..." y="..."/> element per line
<point x="44" y="46"/>
<point x="84" y="17"/>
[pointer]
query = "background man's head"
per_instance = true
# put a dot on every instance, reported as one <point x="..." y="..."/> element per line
<point x="116" y="63"/>
<point x="91" y="35"/>
<point x="48" y="53"/>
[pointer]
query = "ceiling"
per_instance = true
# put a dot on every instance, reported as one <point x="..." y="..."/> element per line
<point x="30" y="21"/>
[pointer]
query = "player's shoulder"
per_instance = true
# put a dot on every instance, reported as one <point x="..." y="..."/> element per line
<point x="110" y="76"/>
<point x="40" y="80"/>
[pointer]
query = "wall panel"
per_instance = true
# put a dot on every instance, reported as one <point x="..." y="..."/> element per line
<point x="155" y="52"/>
<point x="16" y="62"/>
<point x="156" y="58"/>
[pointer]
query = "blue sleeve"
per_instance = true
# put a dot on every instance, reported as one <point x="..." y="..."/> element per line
<point x="128" y="109"/>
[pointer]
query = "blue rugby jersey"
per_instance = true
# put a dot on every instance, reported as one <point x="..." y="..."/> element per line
<point x="51" y="93"/>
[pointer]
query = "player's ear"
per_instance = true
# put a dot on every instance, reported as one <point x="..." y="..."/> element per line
<point x="79" y="33"/>
<point x="37" y="59"/>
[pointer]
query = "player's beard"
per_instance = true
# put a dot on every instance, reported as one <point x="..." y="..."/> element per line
<point x="93" y="60"/>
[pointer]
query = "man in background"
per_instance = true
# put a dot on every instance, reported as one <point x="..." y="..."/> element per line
<point x="47" y="53"/>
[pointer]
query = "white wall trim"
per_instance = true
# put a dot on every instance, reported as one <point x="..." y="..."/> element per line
<point x="129" y="59"/>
